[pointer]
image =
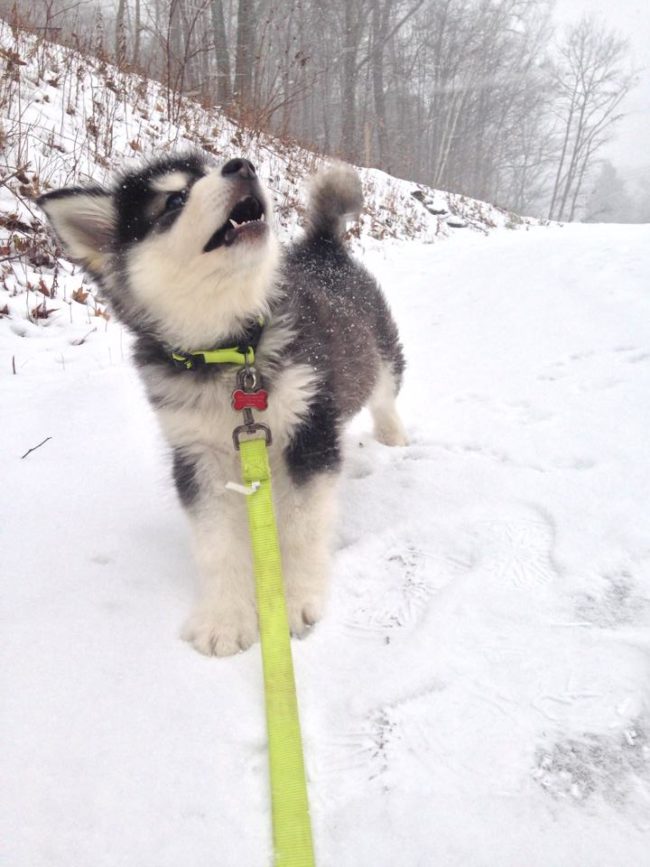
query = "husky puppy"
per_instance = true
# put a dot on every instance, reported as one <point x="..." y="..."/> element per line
<point x="187" y="255"/>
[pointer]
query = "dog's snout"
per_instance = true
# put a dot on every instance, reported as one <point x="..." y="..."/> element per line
<point x="241" y="167"/>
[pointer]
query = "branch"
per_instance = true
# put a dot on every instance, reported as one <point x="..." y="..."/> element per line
<point x="391" y="33"/>
<point x="29" y="451"/>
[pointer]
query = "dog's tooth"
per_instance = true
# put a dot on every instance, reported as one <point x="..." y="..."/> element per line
<point x="234" y="224"/>
<point x="262" y="217"/>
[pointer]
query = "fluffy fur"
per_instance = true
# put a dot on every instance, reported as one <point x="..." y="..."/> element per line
<point x="187" y="255"/>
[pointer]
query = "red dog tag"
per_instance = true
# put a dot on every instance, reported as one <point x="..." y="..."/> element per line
<point x="249" y="399"/>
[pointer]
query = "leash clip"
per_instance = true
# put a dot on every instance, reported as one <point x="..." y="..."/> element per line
<point x="246" y="397"/>
<point x="252" y="428"/>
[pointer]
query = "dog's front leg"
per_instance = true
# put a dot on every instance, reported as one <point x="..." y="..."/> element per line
<point x="224" y="619"/>
<point x="307" y="512"/>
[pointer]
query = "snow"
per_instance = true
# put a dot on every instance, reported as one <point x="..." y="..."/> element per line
<point x="477" y="693"/>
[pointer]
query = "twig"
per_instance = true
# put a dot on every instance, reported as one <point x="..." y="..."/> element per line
<point x="80" y="340"/>
<point x="29" y="451"/>
<point x="19" y="170"/>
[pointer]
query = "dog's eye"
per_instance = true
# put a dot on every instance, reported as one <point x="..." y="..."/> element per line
<point x="175" y="200"/>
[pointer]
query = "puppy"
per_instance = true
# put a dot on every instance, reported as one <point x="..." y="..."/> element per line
<point x="187" y="255"/>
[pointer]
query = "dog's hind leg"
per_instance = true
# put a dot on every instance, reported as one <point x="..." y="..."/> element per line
<point x="389" y="429"/>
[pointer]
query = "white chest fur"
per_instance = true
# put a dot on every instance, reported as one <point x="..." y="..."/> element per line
<point x="197" y="414"/>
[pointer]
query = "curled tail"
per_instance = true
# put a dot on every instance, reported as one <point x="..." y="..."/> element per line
<point x="335" y="193"/>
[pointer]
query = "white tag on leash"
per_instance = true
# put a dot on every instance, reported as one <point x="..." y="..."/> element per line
<point x="242" y="489"/>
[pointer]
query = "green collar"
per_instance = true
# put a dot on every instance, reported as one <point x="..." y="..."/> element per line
<point x="232" y="355"/>
<point x="243" y="353"/>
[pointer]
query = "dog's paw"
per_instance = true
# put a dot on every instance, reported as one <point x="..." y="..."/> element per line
<point x="391" y="433"/>
<point x="221" y="631"/>
<point x="303" y="611"/>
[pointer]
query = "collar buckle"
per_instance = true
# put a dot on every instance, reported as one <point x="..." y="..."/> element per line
<point x="187" y="360"/>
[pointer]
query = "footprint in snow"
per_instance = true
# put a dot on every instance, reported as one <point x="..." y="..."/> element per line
<point x="517" y="551"/>
<point x="615" y="600"/>
<point x="614" y="765"/>
<point x="394" y="595"/>
<point x="360" y="755"/>
<point x="637" y="357"/>
<point x="580" y="363"/>
<point x="367" y="751"/>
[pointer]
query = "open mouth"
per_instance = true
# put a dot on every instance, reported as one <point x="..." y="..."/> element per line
<point x="246" y="218"/>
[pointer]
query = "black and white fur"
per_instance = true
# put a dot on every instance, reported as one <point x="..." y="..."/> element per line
<point x="182" y="275"/>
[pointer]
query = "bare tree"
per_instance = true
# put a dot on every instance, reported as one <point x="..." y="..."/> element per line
<point x="591" y="81"/>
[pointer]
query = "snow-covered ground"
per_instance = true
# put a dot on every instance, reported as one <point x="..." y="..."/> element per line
<point x="478" y="693"/>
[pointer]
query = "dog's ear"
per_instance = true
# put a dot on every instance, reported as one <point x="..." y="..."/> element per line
<point x="84" y="220"/>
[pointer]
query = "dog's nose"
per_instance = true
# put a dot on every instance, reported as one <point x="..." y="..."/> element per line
<point x="241" y="167"/>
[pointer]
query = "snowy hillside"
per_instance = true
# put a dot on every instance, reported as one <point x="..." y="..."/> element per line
<point x="478" y="691"/>
<point x="68" y="119"/>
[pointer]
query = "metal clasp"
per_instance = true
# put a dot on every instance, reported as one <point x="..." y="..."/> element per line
<point x="247" y="383"/>
<point x="251" y="428"/>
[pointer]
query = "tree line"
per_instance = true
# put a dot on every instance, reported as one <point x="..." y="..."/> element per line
<point x="480" y="97"/>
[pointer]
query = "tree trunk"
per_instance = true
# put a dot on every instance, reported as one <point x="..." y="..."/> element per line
<point x="578" y="146"/>
<point x="120" y="34"/>
<point x="224" y="89"/>
<point x="245" y="56"/>
<point x="565" y="145"/>
<point x="136" y="35"/>
<point x="349" y="83"/>
<point x="379" y="30"/>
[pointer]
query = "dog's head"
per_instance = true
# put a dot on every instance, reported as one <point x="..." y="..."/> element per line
<point x="181" y="247"/>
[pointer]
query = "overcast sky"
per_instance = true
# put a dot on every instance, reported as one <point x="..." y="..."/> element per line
<point x="631" y="149"/>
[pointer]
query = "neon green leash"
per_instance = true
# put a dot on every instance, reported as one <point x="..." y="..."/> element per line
<point x="292" y="837"/>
